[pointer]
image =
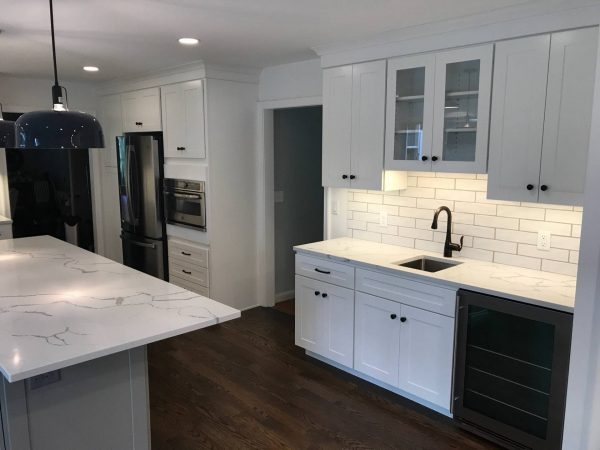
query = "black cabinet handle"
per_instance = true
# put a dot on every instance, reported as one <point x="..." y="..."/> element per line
<point x="434" y="158"/>
<point x="186" y="254"/>
<point x="402" y="319"/>
<point x="180" y="148"/>
<point x="352" y="177"/>
<point x="317" y="293"/>
<point x="424" y="158"/>
<point x="530" y="187"/>
<point x="543" y="187"/>
<point x="326" y="272"/>
<point x="324" y="295"/>
<point x="139" y="123"/>
<point x="393" y="316"/>
<point x="186" y="271"/>
<point x="344" y="177"/>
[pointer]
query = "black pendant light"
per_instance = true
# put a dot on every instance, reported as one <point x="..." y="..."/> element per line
<point x="58" y="128"/>
<point x="7" y="132"/>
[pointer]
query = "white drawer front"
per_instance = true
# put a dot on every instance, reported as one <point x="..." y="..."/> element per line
<point x="412" y="293"/>
<point x="6" y="231"/>
<point x="185" y="252"/>
<point x="325" y="270"/>
<point x="191" y="273"/>
<point x="193" y="287"/>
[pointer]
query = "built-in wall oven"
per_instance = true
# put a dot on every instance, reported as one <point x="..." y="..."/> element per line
<point x="512" y="363"/>
<point x="185" y="203"/>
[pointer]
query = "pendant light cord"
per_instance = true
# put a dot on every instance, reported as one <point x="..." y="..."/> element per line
<point x="53" y="44"/>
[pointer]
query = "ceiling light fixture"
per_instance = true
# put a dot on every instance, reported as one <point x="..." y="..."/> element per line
<point x="7" y="132"/>
<point x="188" y="41"/>
<point x="90" y="68"/>
<point x="58" y="128"/>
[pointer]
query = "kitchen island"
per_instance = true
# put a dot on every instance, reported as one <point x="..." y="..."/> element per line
<point x="73" y="331"/>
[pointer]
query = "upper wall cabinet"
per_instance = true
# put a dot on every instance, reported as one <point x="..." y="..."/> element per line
<point x="141" y="110"/>
<point x="111" y="118"/>
<point x="438" y="111"/>
<point x="183" y="120"/>
<point x="353" y="128"/>
<point x="541" y="117"/>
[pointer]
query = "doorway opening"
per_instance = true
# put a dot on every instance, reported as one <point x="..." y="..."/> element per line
<point x="298" y="194"/>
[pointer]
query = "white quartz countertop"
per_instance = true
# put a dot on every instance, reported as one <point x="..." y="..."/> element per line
<point x="61" y="305"/>
<point x="525" y="285"/>
<point x="4" y="220"/>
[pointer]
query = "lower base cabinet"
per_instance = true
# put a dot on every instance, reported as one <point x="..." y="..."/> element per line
<point x="325" y="319"/>
<point x="408" y="348"/>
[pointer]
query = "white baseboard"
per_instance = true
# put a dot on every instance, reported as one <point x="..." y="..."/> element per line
<point x="283" y="296"/>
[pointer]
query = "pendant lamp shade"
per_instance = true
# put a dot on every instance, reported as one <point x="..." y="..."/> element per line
<point x="49" y="130"/>
<point x="7" y="134"/>
<point x="58" y="128"/>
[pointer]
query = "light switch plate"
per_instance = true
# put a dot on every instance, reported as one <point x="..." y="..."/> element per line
<point x="334" y="207"/>
<point x="543" y="241"/>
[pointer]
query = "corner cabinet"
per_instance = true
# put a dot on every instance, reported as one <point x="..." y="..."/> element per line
<point x="353" y="128"/>
<point x="385" y="328"/>
<point x="541" y="117"/>
<point x="141" y="110"/>
<point x="183" y="119"/>
<point x="438" y="111"/>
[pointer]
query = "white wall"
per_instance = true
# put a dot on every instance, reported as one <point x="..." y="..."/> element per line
<point x="19" y="94"/>
<point x="295" y="80"/>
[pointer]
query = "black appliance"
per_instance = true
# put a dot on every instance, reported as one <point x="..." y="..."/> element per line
<point x="185" y="203"/>
<point x="512" y="363"/>
<point x="143" y="229"/>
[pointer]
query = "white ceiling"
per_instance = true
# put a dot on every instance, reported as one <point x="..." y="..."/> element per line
<point x="129" y="37"/>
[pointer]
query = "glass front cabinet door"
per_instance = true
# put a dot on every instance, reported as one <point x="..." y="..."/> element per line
<point x="438" y="111"/>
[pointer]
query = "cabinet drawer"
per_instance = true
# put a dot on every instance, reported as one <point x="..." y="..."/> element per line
<point x="188" y="254"/>
<point x="412" y="293"/>
<point x="6" y="231"/>
<point x="190" y="273"/>
<point x="193" y="287"/>
<point x="324" y="270"/>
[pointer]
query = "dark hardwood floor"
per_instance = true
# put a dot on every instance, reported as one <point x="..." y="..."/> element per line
<point x="244" y="384"/>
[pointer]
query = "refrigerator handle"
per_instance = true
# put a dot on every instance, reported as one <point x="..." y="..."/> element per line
<point x="127" y="176"/>
<point x="137" y="243"/>
<point x="135" y="204"/>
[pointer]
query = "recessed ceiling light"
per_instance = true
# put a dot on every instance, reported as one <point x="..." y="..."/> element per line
<point x="188" y="41"/>
<point x="90" y="68"/>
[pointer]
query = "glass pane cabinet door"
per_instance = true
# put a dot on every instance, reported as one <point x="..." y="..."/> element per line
<point x="410" y="113"/>
<point x="463" y="83"/>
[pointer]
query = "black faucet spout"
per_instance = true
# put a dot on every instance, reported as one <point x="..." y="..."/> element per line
<point x="449" y="246"/>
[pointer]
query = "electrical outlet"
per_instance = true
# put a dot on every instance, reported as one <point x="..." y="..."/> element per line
<point x="383" y="218"/>
<point x="543" y="241"/>
<point x="334" y="207"/>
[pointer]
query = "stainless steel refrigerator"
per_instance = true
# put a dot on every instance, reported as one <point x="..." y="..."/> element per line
<point x="143" y="230"/>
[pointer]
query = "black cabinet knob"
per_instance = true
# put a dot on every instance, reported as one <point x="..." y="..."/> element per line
<point x="402" y="319"/>
<point x="424" y="158"/>
<point x="324" y="295"/>
<point x="434" y="158"/>
<point x="393" y="316"/>
<point x="352" y="177"/>
<point x="344" y="177"/>
<point x="317" y="293"/>
<point x="543" y="187"/>
<point x="530" y="187"/>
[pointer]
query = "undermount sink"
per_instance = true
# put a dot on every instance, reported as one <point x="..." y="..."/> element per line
<point x="428" y="264"/>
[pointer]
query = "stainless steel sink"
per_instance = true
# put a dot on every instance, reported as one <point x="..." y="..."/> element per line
<point x="428" y="264"/>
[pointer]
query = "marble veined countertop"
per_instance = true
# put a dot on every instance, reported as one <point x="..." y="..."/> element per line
<point x="525" y="285"/>
<point x="61" y="305"/>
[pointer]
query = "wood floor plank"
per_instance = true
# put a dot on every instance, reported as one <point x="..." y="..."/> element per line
<point x="244" y="384"/>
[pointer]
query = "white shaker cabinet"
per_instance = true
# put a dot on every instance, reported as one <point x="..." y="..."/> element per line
<point x="377" y="338"/>
<point x="183" y="120"/>
<point x="141" y="110"/>
<point x="111" y="118"/>
<point x="426" y="354"/>
<point x="325" y="319"/>
<point x="541" y="117"/>
<point x="438" y="111"/>
<point x="354" y="126"/>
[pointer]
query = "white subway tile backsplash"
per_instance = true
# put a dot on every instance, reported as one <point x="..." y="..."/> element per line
<point x="494" y="230"/>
